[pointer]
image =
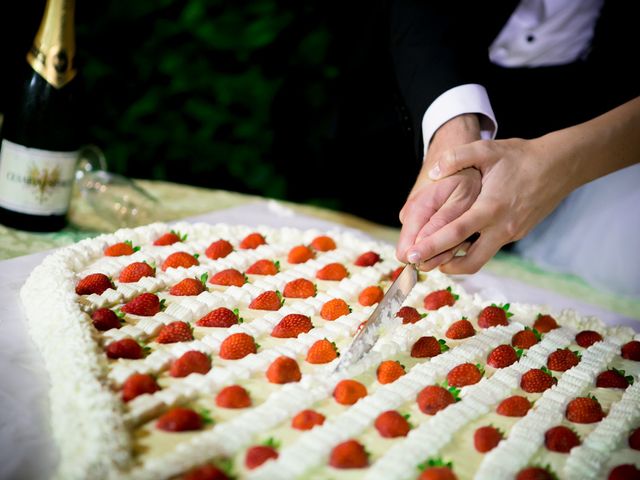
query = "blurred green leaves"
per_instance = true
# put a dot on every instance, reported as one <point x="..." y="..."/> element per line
<point x="184" y="90"/>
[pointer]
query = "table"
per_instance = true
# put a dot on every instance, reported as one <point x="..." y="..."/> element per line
<point x="26" y="448"/>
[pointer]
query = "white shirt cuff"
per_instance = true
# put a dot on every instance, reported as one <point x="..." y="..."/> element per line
<point x="469" y="98"/>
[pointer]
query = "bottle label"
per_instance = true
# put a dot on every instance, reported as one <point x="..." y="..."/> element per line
<point x="34" y="181"/>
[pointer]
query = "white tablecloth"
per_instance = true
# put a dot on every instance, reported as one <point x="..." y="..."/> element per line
<point x="26" y="448"/>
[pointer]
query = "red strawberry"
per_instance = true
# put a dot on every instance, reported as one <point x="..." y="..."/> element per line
<point x="135" y="271"/>
<point x="460" y="329"/>
<point x="252" y="241"/>
<point x="613" y="379"/>
<point x="180" y="419"/>
<point x="514" y="406"/>
<point x="439" y="299"/>
<point x="545" y="323"/>
<point x="393" y="276"/>
<point x="409" y="315"/>
<point x="105" y="319"/>
<point x="536" y="380"/>
<point x="627" y="471"/>
<point x="389" y="371"/>
<point x="348" y="392"/>
<point x="631" y="350"/>
<point x="334" y="309"/>
<point x="205" y="472"/>
<point x="584" y="410"/>
<point x="502" y="356"/>
<point x="269" y="300"/>
<point x="322" y="351"/>
<point x="283" y="370"/>
<point x="170" y="238"/>
<point x="464" y="374"/>
<point x="434" y="398"/>
<point x="634" y="439"/>
<point x="137" y="384"/>
<point x="218" y="249"/>
<point x="526" y="338"/>
<point x="562" y="360"/>
<point x="367" y="259"/>
<point x="437" y="473"/>
<point x="94" y="283"/>
<point x="237" y="345"/>
<point x="299" y="288"/>
<point x="300" y="254"/>
<point x="486" y="438"/>
<point x="189" y="287"/>
<point x="233" y="396"/>
<point x="264" y="267"/>
<point x="586" y="338"/>
<point x="229" y="277"/>
<point x="175" y="332"/>
<point x="220" y="317"/>
<point x="145" y="305"/>
<point x="535" y="473"/>
<point x="370" y="296"/>
<point x="494" y="315"/>
<point x="125" y="348"/>
<point x="120" y="249"/>
<point x="180" y="259"/>
<point x="323" y="243"/>
<point x="427" y="347"/>
<point x="349" y="454"/>
<point x="561" y="439"/>
<point x="258" y="455"/>
<point x="291" y="326"/>
<point x="332" y="271"/>
<point x="190" y="362"/>
<point x="307" y="419"/>
<point x="391" y="424"/>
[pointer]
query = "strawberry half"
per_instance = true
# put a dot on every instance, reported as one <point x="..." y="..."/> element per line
<point x="562" y="360"/>
<point x="526" y="338"/>
<point x="333" y="272"/>
<point x="322" y="351"/>
<point x="221" y="317"/>
<point x="269" y="300"/>
<point x="634" y="439"/>
<point x="537" y="380"/>
<point x="104" y="319"/>
<point x="486" y="438"/>
<point x="218" y="249"/>
<point x="291" y="326"/>
<point x="170" y="238"/>
<point x="145" y="305"/>
<point x="461" y="329"/>
<point x="229" y="277"/>
<point x="367" y="259"/>
<point x="494" y="315"/>
<point x="561" y="439"/>
<point x="264" y="267"/>
<point x="627" y="471"/>
<point x="410" y="315"/>
<point x="502" y="356"/>
<point x="300" y="254"/>
<point x="174" y="332"/>
<point x="206" y="472"/>
<point x="389" y="371"/>
<point x="545" y="323"/>
<point x="283" y="370"/>
<point x="233" y="396"/>
<point x="190" y="362"/>
<point x="514" y="406"/>
<point x="464" y="374"/>
<point x="334" y="309"/>
<point x="307" y="419"/>
<point x="434" y="398"/>
<point x="180" y="260"/>
<point x="237" y="345"/>
<point x="94" y="283"/>
<point x="323" y="243"/>
<point x="120" y="249"/>
<point x="349" y="454"/>
<point x="631" y="351"/>
<point x="440" y="298"/>
<point x="613" y="378"/>
<point x="180" y="419"/>
<point x="189" y="287"/>
<point x="135" y="271"/>
<point x="299" y="288"/>
<point x="138" y="384"/>
<point x="370" y="296"/>
<point x="584" y="410"/>
<point x="586" y="338"/>
<point x="252" y="241"/>
<point x="427" y="347"/>
<point x="125" y="348"/>
<point x="348" y="392"/>
<point x="535" y="473"/>
<point x="391" y="424"/>
<point x="259" y="454"/>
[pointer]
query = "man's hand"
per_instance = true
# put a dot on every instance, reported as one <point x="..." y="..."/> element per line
<point x="522" y="182"/>
<point x="432" y="205"/>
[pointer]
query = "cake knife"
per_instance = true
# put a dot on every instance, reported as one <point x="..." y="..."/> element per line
<point x="369" y="331"/>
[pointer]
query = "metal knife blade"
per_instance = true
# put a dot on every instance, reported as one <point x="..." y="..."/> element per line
<point x="386" y="310"/>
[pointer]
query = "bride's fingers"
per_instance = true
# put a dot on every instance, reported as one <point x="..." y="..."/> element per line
<point x="480" y="252"/>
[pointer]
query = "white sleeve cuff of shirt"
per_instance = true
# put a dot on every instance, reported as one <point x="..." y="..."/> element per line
<point x="469" y="98"/>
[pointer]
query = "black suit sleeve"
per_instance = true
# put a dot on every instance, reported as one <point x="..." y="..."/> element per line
<point x="436" y="46"/>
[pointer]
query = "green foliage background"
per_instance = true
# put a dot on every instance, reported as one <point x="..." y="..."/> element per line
<point x="185" y="90"/>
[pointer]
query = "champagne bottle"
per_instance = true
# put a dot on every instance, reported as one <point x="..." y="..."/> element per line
<point x="40" y="136"/>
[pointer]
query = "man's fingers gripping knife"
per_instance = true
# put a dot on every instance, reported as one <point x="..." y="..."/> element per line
<point x="458" y="158"/>
<point x="480" y="252"/>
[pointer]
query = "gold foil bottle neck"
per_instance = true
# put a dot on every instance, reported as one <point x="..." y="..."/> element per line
<point x="54" y="47"/>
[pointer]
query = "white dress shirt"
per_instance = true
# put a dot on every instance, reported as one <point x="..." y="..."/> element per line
<point x="538" y="33"/>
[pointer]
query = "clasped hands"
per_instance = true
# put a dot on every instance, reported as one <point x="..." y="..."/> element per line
<point x="499" y="189"/>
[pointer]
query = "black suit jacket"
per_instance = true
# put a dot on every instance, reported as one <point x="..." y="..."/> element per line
<point x="436" y="46"/>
